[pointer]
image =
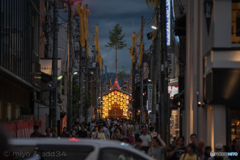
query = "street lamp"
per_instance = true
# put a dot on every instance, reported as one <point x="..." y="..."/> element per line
<point x="60" y="77"/>
<point x="154" y="27"/>
<point x="149" y="80"/>
<point x="75" y="73"/>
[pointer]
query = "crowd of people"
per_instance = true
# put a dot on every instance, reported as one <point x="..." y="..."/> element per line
<point x="145" y="139"/>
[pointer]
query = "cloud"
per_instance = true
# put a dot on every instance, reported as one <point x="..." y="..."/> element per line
<point x="107" y="13"/>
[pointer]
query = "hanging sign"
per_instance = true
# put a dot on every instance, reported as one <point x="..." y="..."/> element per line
<point x="149" y="96"/>
<point x="208" y="5"/>
<point x="168" y="22"/>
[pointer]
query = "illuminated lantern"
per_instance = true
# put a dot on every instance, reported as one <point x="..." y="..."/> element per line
<point x="106" y="97"/>
<point x="121" y="94"/>
<point x="121" y="99"/>
<point x="127" y="102"/>
<point x="127" y="97"/>
<point x="109" y="95"/>
<point x="124" y="96"/>
<point x="103" y="97"/>
<point x="106" y="103"/>
<point x="112" y="102"/>
<point x="112" y="93"/>
<point x="115" y="100"/>
<point x="118" y="93"/>
<point x="115" y="96"/>
<point x="109" y="108"/>
<point x="121" y="103"/>
<point x="121" y="107"/>
<point x="112" y="98"/>
<point x="109" y="100"/>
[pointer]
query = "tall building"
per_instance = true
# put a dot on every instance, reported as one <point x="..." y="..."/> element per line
<point x="211" y="104"/>
<point x="19" y="26"/>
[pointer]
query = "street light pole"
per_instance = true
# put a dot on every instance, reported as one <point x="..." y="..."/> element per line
<point x="141" y="76"/>
<point x="55" y="63"/>
<point x="69" y="113"/>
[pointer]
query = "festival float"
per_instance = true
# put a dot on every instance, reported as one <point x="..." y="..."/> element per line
<point x="115" y="103"/>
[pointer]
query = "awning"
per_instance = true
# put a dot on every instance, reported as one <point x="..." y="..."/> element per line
<point x="15" y="79"/>
<point x="177" y="96"/>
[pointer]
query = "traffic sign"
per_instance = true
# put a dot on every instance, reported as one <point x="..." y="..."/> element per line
<point x="50" y="86"/>
<point x="150" y="86"/>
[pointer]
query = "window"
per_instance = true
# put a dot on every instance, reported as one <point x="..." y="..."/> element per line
<point x="118" y="154"/>
<point x="236" y="21"/>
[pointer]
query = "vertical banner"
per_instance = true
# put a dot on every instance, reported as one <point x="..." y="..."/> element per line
<point x="168" y="22"/>
<point x="174" y="121"/>
<point x="170" y="65"/>
<point x="208" y="5"/>
<point x="149" y="96"/>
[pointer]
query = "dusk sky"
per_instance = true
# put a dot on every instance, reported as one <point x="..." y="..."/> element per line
<point x="107" y="13"/>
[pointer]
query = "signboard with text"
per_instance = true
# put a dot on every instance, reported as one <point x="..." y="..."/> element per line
<point x="46" y="66"/>
<point x="149" y="96"/>
<point x="168" y="21"/>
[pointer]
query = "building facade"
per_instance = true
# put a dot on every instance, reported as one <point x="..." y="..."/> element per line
<point x="19" y="51"/>
<point x="212" y="71"/>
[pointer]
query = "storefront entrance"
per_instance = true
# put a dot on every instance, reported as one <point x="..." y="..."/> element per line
<point x="235" y="124"/>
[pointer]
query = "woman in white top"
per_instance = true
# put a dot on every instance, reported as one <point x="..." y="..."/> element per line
<point x="101" y="134"/>
<point x="94" y="134"/>
<point x="48" y="132"/>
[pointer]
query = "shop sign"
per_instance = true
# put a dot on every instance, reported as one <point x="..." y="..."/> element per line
<point x="174" y="121"/>
<point x="168" y="22"/>
<point x="172" y="90"/>
<point x="208" y="5"/>
<point x="46" y="66"/>
<point x="170" y="65"/>
<point x="149" y="96"/>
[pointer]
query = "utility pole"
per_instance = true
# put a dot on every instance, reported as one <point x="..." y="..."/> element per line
<point x="141" y="76"/>
<point x="96" y="94"/>
<point x="154" y="80"/>
<point x="133" y="86"/>
<point x="101" y="79"/>
<point x="80" y="81"/>
<point x="164" y="77"/>
<point x="69" y="109"/>
<point x="80" y="86"/>
<point x="55" y="63"/>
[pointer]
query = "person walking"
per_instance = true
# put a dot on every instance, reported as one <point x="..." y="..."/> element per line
<point x="190" y="155"/>
<point x="158" y="150"/>
<point x="35" y="133"/>
<point x="48" y="132"/>
<point x="117" y="135"/>
<point x="101" y="134"/>
<point x="82" y="133"/>
<point x="218" y="148"/>
<point x="65" y="133"/>
<point x="207" y="151"/>
<point x="139" y="145"/>
<point x="73" y="131"/>
<point x="177" y="151"/>
<point x="130" y="137"/>
<point x="236" y="148"/>
<point x="106" y="131"/>
<point x="199" y="145"/>
<point x="94" y="133"/>
<point x="136" y="130"/>
<point x="146" y="140"/>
